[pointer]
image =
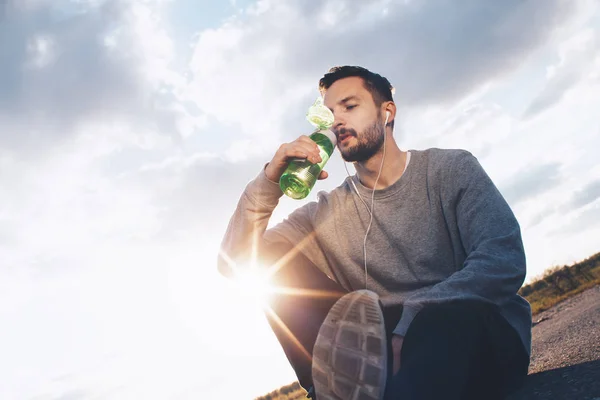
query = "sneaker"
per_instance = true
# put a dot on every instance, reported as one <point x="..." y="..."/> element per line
<point x="350" y="353"/>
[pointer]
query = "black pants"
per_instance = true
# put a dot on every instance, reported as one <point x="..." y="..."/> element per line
<point x="460" y="350"/>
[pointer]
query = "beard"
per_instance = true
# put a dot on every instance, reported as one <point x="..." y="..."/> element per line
<point x="369" y="142"/>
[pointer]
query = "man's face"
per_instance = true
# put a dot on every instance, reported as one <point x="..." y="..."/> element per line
<point x="358" y="124"/>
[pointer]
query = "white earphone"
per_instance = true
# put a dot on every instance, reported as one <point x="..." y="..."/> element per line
<point x="370" y="210"/>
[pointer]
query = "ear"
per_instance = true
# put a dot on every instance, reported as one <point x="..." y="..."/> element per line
<point x="390" y="111"/>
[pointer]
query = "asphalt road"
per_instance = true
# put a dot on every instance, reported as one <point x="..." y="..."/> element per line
<point x="565" y="356"/>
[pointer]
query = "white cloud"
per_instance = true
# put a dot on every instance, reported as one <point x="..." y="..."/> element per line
<point x="110" y="61"/>
<point x="576" y="61"/>
<point x="259" y="70"/>
<point x="245" y="89"/>
<point x="119" y="171"/>
<point x="42" y="51"/>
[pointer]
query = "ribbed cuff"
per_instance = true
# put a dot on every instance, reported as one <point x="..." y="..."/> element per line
<point x="408" y="314"/>
<point x="263" y="190"/>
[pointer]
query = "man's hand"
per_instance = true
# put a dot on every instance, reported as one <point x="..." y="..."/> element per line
<point x="397" y="342"/>
<point x="303" y="147"/>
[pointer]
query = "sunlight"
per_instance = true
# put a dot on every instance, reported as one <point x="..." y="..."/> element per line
<point x="253" y="284"/>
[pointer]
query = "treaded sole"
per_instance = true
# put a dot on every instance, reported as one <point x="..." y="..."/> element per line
<point x="350" y="353"/>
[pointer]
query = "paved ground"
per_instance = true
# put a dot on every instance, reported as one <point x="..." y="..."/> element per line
<point x="565" y="357"/>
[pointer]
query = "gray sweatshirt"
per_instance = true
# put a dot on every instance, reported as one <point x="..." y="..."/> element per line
<point x="441" y="232"/>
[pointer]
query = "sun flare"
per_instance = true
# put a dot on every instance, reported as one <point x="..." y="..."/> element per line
<point x="254" y="285"/>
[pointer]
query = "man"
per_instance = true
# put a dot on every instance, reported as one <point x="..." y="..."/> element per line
<point x="441" y="317"/>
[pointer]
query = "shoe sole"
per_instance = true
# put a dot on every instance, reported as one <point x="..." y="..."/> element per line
<point x="350" y="353"/>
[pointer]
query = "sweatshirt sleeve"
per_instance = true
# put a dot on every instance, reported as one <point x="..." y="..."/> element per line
<point x="248" y="223"/>
<point x="247" y="235"/>
<point x="494" y="268"/>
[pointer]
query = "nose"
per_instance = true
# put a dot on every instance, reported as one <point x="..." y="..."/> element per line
<point x="338" y="123"/>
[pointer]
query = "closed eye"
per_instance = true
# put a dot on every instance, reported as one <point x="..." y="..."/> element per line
<point x="350" y="107"/>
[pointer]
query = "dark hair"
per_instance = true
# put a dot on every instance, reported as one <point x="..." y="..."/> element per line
<point x="379" y="87"/>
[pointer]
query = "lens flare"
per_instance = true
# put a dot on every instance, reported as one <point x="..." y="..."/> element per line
<point x="253" y="284"/>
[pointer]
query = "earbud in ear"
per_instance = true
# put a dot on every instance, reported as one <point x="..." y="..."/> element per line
<point x="387" y="116"/>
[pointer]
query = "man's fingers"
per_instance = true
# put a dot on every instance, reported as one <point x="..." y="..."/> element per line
<point x="291" y="152"/>
<point x="397" y="342"/>
<point x="323" y="175"/>
<point x="301" y="150"/>
<point x="396" y="365"/>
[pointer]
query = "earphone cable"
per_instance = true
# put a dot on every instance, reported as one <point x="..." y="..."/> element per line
<point x="355" y="188"/>
<point x="373" y="204"/>
<point x="371" y="210"/>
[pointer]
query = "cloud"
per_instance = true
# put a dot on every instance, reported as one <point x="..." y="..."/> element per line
<point x="435" y="52"/>
<point x="586" y="195"/>
<point x="87" y="94"/>
<point x="190" y="192"/>
<point x="581" y="198"/>
<point x="73" y="395"/>
<point x="477" y="126"/>
<point x="552" y="93"/>
<point x="118" y="177"/>
<point x="577" y="56"/>
<point x="258" y="71"/>
<point x="539" y="217"/>
<point x="65" y="66"/>
<point x="59" y="70"/>
<point x="583" y="221"/>
<point x="572" y="204"/>
<point x="532" y="182"/>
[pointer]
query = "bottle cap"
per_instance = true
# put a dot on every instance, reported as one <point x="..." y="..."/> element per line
<point x="320" y="116"/>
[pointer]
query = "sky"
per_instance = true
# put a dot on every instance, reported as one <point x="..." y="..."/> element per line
<point x="129" y="129"/>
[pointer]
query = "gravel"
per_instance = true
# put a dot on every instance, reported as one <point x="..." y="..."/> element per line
<point x="565" y="356"/>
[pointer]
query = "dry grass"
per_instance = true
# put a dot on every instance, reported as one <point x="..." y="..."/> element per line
<point x="544" y="304"/>
<point x="561" y="282"/>
<point x="289" y="392"/>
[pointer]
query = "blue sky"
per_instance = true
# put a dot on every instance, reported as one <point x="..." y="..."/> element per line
<point x="128" y="130"/>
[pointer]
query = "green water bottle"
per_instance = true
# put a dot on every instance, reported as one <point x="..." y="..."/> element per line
<point x="301" y="175"/>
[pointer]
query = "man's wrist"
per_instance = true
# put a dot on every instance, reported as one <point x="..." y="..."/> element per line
<point x="408" y="314"/>
<point x="268" y="176"/>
